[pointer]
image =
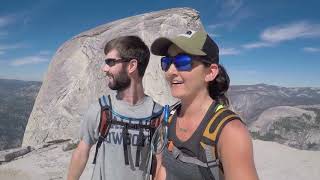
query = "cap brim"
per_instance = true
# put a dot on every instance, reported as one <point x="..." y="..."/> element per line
<point x="161" y="45"/>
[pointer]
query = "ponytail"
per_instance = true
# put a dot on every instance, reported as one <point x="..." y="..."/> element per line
<point x="219" y="87"/>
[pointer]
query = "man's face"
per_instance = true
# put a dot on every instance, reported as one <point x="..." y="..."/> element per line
<point x="116" y="72"/>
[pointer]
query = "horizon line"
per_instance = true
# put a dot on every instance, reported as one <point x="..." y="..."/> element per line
<point x="253" y="84"/>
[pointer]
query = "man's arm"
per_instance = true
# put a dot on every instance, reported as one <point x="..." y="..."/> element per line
<point x="79" y="160"/>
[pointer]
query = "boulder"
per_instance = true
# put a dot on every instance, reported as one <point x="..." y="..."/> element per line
<point x="74" y="79"/>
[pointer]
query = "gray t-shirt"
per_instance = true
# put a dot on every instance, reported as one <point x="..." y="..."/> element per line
<point x="110" y="163"/>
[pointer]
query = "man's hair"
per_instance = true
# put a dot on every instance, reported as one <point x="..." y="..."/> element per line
<point x="131" y="47"/>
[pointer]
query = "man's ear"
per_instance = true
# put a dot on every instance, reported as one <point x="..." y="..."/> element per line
<point x="132" y="66"/>
<point x="212" y="72"/>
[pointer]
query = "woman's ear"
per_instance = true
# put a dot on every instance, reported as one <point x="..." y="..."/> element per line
<point x="212" y="72"/>
<point x="132" y="66"/>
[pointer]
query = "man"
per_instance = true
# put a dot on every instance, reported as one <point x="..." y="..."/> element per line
<point x="122" y="153"/>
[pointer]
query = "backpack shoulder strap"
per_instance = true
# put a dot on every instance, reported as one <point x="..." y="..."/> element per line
<point x="175" y="106"/>
<point x="173" y="109"/>
<point x="214" y="127"/>
<point x="105" y="114"/>
<point x="156" y="114"/>
<point x="210" y="137"/>
<point x="157" y="109"/>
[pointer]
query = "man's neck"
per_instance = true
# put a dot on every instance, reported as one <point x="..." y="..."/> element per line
<point x="133" y="94"/>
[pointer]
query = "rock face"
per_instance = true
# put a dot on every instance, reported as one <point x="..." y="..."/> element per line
<point x="75" y="80"/>
<point x="294" y="126"/>
<point x="273" y="161"/>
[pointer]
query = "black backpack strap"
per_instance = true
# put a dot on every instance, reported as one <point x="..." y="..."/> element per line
<point x="154" y="122"/>
<point x="126" y="143"/>
<point x="156" y="118"/>
<point x="175" y="106"/>
<point x="105" y="115"/>
<point x="140" y="144"/>
<point x="210" y="138"/>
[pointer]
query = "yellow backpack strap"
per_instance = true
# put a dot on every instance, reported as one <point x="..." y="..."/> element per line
<point x="219" y="106"/>
<point x="211" y="135"/>
<point x="170" y="119"/>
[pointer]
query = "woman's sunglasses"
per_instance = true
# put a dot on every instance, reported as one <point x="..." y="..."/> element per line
<point x="182" y="62"/>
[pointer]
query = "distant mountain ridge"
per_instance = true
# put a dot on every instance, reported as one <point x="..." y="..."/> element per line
<point x="16" y="102"/>
<point x="289" y="116"/>
<point x="251" y="100"/>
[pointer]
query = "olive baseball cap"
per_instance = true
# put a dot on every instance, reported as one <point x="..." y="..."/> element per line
<point x="196" y="43"/>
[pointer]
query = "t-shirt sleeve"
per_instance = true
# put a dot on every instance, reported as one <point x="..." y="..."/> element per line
<point x="89" y="125"/>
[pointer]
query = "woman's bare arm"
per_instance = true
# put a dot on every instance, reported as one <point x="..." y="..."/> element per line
<point x="236" y="152"/>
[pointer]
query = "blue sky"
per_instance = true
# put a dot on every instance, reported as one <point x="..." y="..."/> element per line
<point x="272" y="42"/>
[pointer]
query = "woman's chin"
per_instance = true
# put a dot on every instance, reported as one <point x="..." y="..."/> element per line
<point x="178" y="95"/>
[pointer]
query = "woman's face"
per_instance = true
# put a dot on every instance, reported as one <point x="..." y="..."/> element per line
<point x="186" y="84"/>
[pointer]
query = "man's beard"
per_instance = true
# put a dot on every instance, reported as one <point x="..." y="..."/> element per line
<point x="120" y="81"/>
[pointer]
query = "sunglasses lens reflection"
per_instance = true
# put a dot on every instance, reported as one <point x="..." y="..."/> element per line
<point x="181" y="62"/>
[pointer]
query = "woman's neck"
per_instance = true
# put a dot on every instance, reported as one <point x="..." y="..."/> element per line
<point x="196" y="106"/>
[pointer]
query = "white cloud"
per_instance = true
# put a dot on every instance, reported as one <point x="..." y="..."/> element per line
<point x="5" y="20"/>
<point x="11" y="46"/>
<point x="215" y="26"/>
<point x="256" y="45"/>
<point x="277" y="34"/>
<point x="311" y="49"/>
<point x="291" y="31"/>
<point x="230" y="14"/>
<point x="231" y="22"/>
<point x="213" y="35"/>
<point x="229" y="51"/>
<point x="29" y="60"/>
<point x="5" y="47"/>
<point x="230" y="7"/>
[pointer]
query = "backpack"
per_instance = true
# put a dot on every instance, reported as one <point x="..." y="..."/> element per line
<point x="106" y="120"/>
<point x="208" y="160"/>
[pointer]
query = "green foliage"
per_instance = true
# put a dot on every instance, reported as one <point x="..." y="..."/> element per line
<point x="306" y="116"/>
<point x="295" y="124"/>
<point x="292" y="129"/>
<point x="267" y="137"/>
<point x="317" y="111"/>
<point x="311" y="145"/>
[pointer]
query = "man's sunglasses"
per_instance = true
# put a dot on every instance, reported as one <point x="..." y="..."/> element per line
<point x="111" y="62"/>
<point x="182" y="62"/>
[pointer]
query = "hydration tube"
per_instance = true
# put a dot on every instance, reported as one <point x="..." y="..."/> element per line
<point x="161" y="134"/>
<point x="165" y="128"/>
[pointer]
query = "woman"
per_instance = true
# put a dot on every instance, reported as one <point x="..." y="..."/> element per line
<point x="205" y="139"/>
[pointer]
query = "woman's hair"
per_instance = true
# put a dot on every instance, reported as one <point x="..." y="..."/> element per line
<point x="219" y="86"/>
